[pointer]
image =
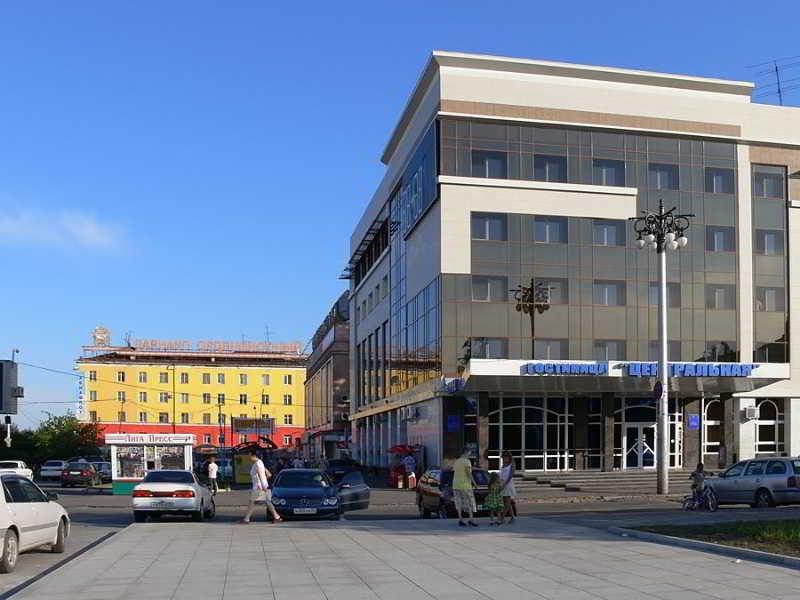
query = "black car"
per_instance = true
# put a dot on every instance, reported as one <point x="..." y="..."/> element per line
<point x="338" y="468"/>
<point x="310" y="493"/>
<point x="79" y="473"/>
<point x="435" y="492"/>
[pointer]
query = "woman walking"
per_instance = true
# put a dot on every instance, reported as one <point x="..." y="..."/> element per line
<point x="507" y="480"/>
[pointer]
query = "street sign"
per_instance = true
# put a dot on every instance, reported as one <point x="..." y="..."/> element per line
<point x="694" y="422"/>
<point x="658" y="390"/>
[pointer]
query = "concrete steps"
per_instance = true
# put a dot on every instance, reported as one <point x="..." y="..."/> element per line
<point x="617" y="483"/>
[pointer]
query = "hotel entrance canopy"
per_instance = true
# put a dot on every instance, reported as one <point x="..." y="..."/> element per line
<point x="621" y="377"/>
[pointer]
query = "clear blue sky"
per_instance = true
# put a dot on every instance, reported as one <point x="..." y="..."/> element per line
<point x="194" y="169"/>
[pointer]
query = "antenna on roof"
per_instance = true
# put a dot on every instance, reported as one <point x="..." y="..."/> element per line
<point x="778" y="82"/>
<point x="774" y="81"/>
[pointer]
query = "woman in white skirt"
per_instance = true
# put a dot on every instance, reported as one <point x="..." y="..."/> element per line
<point x="507" y="480"/>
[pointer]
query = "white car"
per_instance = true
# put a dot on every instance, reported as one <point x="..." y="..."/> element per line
<point x="172" y="492"/>
<point x="51" y="469"/>
<point x="15" y="467"/>
<point x="29" y="519"/>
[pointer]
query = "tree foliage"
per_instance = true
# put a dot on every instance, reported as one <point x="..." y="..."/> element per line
<point x="64" y="436"/>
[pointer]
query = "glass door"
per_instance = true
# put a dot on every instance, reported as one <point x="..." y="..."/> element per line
<point x="640" y="445"/>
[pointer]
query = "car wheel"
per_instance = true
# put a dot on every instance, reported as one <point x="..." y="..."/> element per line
<point x="763" y="499"/>
<point x="10" y="552"/>
<point x="139" y="516"/>
<point x="197" y="515"/>
<point x="61" y="539"/>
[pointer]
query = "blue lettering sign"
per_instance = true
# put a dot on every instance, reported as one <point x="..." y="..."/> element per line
<point x="693" y="422"/>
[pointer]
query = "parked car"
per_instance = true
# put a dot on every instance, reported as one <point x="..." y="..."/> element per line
<point x="311" y="493"/>
<point x="29" y="519"/>
<point x="172" y="492"/>
<point x="51" y="469"/>
<point x="79" y="473"/>
<point x="435" y="492"/>
<point x="761" y="482"/>
<point x="15" y="467"/>
<point x="338" y="468"/>
<point x="104" y="469"/>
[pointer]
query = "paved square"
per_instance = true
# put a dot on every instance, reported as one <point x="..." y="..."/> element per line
<point x="400" y="560"/>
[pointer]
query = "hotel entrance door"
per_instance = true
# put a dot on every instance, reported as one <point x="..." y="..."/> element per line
<point x="640" y="446"/>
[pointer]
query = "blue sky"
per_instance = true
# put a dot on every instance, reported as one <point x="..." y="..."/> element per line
<point x="193" y="170"/>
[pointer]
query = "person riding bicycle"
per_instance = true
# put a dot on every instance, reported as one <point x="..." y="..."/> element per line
<point x="698" y="478"/>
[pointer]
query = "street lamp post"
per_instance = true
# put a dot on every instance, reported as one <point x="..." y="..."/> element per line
<point x="530" y="300"/>
<point x="662" y="231"/>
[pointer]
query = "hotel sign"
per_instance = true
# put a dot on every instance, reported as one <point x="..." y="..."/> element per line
<point x="566" y="368"/>
<point x="639" y="369"/>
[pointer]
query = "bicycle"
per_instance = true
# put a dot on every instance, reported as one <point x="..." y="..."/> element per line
<point x="708" y="501"/>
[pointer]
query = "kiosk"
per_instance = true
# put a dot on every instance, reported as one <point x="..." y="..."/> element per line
<point x="134" y="454"/>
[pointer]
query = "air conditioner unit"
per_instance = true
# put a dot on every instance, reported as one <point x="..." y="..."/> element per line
<point x="751" y="413"/>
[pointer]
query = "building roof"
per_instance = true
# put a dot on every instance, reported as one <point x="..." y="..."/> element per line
<point x="132" y="356"/>
<point x="560" y="69"/>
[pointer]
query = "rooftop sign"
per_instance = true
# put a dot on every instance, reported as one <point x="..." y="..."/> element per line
<point x="157" y="345"/>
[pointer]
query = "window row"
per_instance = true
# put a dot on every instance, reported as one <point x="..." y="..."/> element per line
<point x="165" y="397"/>
<point x="184" y="418"/>
<point x="163" y="377"/>
<point x="372" y="299"/>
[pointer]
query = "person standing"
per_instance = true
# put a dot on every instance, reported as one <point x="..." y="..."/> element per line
<point x="298" y="463"/>
<point x="463" y="485"/>
<point x="259" y="491"/>
<point x="509" y="492"/>
<point x="410" y="464"/>
<point x="213" y="469"/>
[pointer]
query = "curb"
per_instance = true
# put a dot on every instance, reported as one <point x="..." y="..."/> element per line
<point x="730" y="551"/>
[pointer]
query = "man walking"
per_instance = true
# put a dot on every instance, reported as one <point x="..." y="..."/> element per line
<point x="259" y="491"/>
<point x="463" y="484"/>
<point x="213" y="469"/>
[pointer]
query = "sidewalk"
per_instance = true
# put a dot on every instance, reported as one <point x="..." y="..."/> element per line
<point x="400" y="560"/>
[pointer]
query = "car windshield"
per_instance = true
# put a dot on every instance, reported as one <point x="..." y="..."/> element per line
<point x="9" y="464"/>
<point x="480" y="476"/>
<point x="168" y="477"/>
<point x="53" y="463"/>
<point x="79" y="466"/>
<point x="301" y="479"/>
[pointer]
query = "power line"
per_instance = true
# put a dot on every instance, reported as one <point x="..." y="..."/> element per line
<point x="769" y="62"/>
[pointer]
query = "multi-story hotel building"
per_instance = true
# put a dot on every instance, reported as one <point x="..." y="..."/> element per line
<point x="237" y="390"/>
<point x="507" y="176"/>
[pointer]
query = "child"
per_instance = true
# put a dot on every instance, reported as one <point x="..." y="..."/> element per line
<point x="494" y="500"/>
<point x="698" y="478"/>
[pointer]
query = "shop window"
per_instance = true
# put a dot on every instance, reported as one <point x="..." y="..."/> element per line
<point x="287" y="440"/>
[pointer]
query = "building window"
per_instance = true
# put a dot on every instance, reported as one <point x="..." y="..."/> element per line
<point x="184" y="418"/>
<point x="770" y="428"/>
<point x="242" y="416"/>
<point x="557" y="290"/>
<point x="770" y="299"/>
<point x="608" y="172"/>
<point x="484" y="347"/>
<point x="661" y="176"/>
<point x="163" y="377"/>
<point x="220" y="377"/>
<point x="264" y="398"/>
<point x="724" y="351"/>
<point x="206" y="378"/>
<point x="550" y="230"/>
<point x="489" y="226"/>
<point x="489" y="289"/>
<point x="770" y="352"/>
<point x="609" y="293"/>
<point x="605" y="350"/>
<point x="720" y="296"/>
<point x="93" y="416"/>
<point x="490" y="164"/>
<point x="220" y="398"/>
<point x="92" y="395"/>
<point x="769" y="182"/>
<point x="768" y="242"/>
<point x="163" y="417"/>
<point x="242" y="398"/>
<point x="712" y="426"/>
<point x="265" y="379"/>
<point x="142" y="396"/>
<point x="719" y="181"/>
<point x="242" y="378"/>
<point x="206" y="418"/>
<point x="287" y="399"/>
<point x="121" y="396"/>
<point x="163" y="397"/>
<point x="206" y="398"/>
<point x="92" y="375"/>
<point x="673" y="350"/>
<point x="122" y="417"/>
<point x="206" y="438"/>
<point x="142" y="377"/>
<point x="184" y="378"/>
<point x="242" y="438"/>
<point x="287" y="440"/>
<point x="143" y="417"/>
<point x="720" y="239"/>
<point x="184" y="398"/>
<point x="287" y="380"/>
<point x="550" y="168"/>
<point x="673" y="294"/>
<point x="608" y="233"/>
<point x="287" y="419"/>
<point x="555" y="349"/>
<point x="121" y="376"/>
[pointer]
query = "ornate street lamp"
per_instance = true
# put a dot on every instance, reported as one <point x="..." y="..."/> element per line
<point x="662" y="231"/>
<point x="530" y="300"/>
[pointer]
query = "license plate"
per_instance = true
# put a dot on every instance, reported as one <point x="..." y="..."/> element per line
<point x="162" y="503"/>
<point x="74" y="472"/>
<point x="305" y="511"/>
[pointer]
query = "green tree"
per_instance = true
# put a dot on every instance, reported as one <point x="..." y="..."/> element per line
<point x="64" y="436"/>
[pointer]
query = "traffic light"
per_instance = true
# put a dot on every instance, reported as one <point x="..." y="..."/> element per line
<point x="10" y="392"/>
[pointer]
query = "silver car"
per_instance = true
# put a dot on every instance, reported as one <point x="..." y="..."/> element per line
<point x="172" y="492"/>
<point x="759" y="482"/>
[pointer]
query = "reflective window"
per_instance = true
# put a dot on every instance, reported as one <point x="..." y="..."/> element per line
<point x="768" y="242"/>
<point x="673" y="294"/>
<point x="720" y="296"/>
<point x="609" y="350"/>
<point x="723" y="351"/>
<point x="550" y="168"/>
<point x="770" y="299"/>
<point x="609" y="293"/>
<point x="776" y="467"/>
<point x="489" y="226"/>
<point x="673" y="350"/>
<point x="555" y="349"/>
<point x="769" y="182"/>
<point x="557" y="289"/>
<point x="608" y="233"/>
<point x="719" y="181"/>
<point x="608" y="172"/>
<point x="770" y="352"/>
<point x="491" y="164"/>
<point x="550" y="230"/>
<point x="720" y="239"/>
<point x="662" y="176"/>
<point x="755" y="468"/>
<point x="484" y="347"/>
<point x="487" y="288"/>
